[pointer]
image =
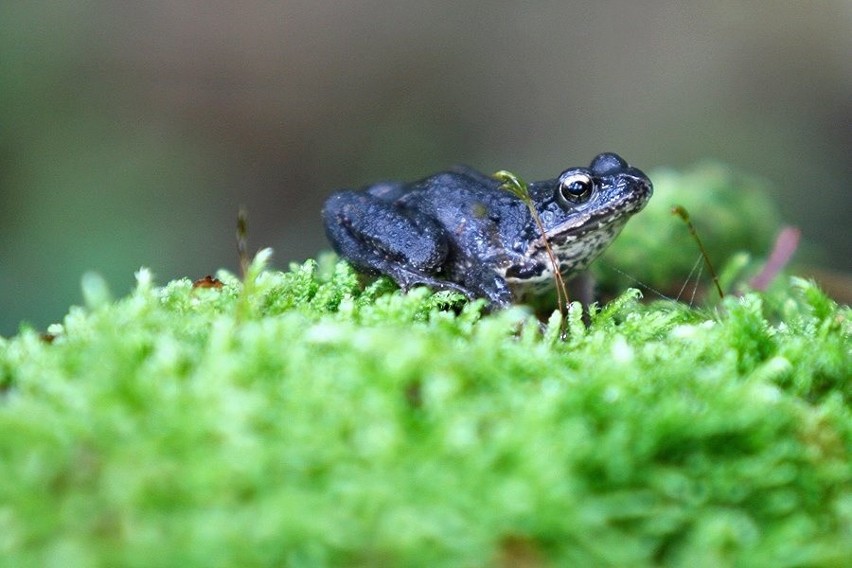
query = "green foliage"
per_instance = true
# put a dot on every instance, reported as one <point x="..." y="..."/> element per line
<point x="731" y="211"/>
<point x="298" y="420"/>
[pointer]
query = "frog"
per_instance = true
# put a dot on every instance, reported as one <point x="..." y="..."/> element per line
<point x="463" y="230"/>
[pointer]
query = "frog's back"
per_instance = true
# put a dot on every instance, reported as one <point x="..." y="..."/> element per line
<point x="465" y="199"/>
<point x="458" y="184"/>
<point x="454" y="185"/>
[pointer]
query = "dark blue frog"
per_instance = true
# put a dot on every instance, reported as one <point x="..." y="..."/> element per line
<point x="461" y="230"/>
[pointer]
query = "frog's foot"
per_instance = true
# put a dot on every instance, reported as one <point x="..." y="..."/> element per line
<point x="480" y="283"/>
<point x="407" y="279"/>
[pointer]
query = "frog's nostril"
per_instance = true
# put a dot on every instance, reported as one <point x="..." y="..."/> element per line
<point x="639" y="178"/>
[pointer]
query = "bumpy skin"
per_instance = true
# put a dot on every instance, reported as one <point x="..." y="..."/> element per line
<point x="459" y="230"/>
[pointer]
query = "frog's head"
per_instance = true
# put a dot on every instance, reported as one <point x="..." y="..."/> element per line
<point x="584" y="209"/>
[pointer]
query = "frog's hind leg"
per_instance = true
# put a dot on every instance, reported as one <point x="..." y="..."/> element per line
<point x="379" y="237"/>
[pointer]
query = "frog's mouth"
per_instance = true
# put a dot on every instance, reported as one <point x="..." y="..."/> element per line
<point x="580" y="228"/>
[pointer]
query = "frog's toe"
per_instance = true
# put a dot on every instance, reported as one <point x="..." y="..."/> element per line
<point x="407" y="279"/>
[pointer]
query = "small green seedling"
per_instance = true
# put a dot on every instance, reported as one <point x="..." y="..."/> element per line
<point x="681" y="212"/>
<point x="242" y="241"/>
<point x="518" y="187"/>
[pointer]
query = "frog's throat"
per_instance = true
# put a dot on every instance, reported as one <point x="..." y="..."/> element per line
<point x="575" y="250"/>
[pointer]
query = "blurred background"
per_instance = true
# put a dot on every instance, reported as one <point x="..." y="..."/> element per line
<point x="130" y="133"/>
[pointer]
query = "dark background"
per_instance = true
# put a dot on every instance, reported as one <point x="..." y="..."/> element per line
<point x="131" y="132"/>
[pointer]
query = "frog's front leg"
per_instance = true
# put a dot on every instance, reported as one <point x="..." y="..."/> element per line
<point x="486" y="283"/>
<point x="380" y="237"/>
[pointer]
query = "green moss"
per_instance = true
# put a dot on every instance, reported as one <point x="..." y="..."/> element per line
<point x="300" y="421"/>
<point x="731" y="210"/>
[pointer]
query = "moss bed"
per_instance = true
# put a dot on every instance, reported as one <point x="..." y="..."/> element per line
<point x="301" y="419"/>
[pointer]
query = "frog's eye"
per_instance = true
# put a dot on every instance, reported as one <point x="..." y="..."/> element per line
<point x="575" y="188"/>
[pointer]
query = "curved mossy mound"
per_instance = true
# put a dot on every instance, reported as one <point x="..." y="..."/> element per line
<point x="298" y="420"/>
